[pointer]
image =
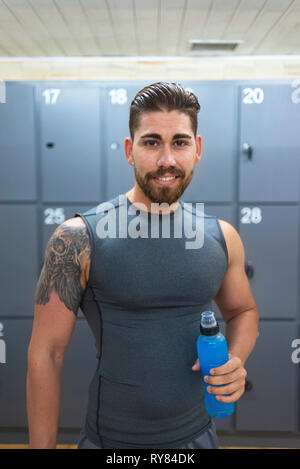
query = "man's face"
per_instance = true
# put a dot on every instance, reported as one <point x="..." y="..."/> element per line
<point x="164" y="152"/>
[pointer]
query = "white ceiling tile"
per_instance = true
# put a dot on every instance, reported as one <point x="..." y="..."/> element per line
<point x="147" y="20"/>
<point x="122" y="15"/>
<point x="277" y="39"/>
<point x="10" y="23"/>
<point x="73" y="13"/>
<point x="170" y="23"/>
<point x="218" y="18"/>
<point x="268" y="16"/>
<point x="98" y="15"/>
<point x="56" y="26"/>
<point x="143" y="27"/>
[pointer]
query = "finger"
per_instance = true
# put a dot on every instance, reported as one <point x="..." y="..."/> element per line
<point x="228" y="367"/>
<point x="196" y="365"/>
<point x="226" y="379"/>
<point x="228" y="389"/>
<point x="232" y="398"/>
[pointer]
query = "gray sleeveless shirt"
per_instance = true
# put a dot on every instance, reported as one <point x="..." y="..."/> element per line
<point x="143" y="302"/>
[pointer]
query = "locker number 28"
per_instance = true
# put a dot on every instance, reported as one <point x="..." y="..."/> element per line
<point x="251" y="215"/>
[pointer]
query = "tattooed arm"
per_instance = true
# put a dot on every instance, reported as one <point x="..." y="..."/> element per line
<point x="58" y="294"/>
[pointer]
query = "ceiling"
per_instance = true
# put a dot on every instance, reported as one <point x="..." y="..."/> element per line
<point x="97" y="28"/>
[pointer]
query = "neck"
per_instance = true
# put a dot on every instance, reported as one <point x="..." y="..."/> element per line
<point x="137" y="196"/>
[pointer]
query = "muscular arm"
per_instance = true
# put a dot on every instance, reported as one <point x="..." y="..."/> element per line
<point x="235" y="299"/>
<point x="237" y="305"/>
<point x="58" y="294"/>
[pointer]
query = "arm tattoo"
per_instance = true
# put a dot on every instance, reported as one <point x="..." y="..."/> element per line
<point x="61" y="272"/>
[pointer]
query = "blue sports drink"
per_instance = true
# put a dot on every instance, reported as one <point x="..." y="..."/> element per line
<point x="212" y="352"/>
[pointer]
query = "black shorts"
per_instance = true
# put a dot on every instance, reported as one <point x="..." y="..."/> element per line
<point x="207" y="440"/>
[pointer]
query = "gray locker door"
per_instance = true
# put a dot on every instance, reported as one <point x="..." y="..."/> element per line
<point x="16" y="334"/>
<point x="52" y="217"/>
<point x="271" y="402"/>
<point x="79" y="367"/>
<point x="119" y="174"/>
<point x="214" y="176"/>
<point x="269" y="144"/>
<point x="17" y="144"/>
<point x="270" y="235"/>
<point x="18" y="252"/>
<point x="70" y="139"/>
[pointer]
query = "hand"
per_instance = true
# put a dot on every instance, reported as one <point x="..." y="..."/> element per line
<point x="232" y="375"/>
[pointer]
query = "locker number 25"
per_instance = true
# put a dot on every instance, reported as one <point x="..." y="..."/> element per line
<point x="54" y="216"/>
<point x="251" y="215"/>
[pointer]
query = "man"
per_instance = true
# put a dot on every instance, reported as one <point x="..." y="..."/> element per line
<point x="143" y="297"/>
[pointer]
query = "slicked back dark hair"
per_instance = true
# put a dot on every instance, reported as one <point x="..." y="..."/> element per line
<point x="163" y="96"/>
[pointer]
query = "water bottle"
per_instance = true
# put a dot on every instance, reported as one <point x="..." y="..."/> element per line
<point x="212" y="352"/>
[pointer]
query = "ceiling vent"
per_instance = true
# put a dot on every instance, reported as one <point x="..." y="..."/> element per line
<point x="205" y="47"/>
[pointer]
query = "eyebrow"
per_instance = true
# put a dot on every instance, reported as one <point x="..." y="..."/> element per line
<point x="158" y="137"/>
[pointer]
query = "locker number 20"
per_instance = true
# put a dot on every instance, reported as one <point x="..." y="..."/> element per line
<point x="253" y="95"/>
<point x="251" y="215"/>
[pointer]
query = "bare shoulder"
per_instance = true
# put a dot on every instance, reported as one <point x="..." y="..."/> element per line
<point x="74" y="222"/>
<point x="235" y="248"/>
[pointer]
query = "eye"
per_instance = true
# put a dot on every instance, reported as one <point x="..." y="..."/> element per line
<point x="180" y="143"/>
<point x="151" y="143"/>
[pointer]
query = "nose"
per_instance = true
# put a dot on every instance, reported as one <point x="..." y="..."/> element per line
<point x="166" y="158"/>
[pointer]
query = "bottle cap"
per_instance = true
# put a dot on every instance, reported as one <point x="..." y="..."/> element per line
<point x="208" y="324"/>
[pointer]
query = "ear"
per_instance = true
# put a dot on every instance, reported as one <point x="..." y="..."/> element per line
<point x="128" y="144"/>
<point x="198" y="148"/>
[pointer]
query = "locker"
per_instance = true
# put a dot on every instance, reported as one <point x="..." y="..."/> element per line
<point x="251" y="151"/>
<point x="269" y="143"/>
<point x="18" y="251"/>
<point x="271" y="239"/>
<point x="17" y="144"/>
<point x="270" y="404"/>
<point x="119" y="174"/>
<point x="224" y="212"/>
<point x="70" y="144"/>
<point x="214" y="176"/>
<point x="79" y="366"/>
<point x="16" y="334"/>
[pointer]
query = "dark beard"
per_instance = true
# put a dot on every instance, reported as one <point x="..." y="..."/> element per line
<point x="164" y="194"/>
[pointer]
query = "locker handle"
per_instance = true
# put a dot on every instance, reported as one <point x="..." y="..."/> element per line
<point x="249" y="269"/>
<point x="247" y="150"/>
<point x="50" y="144"/>
<point x="248" y="385"/>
